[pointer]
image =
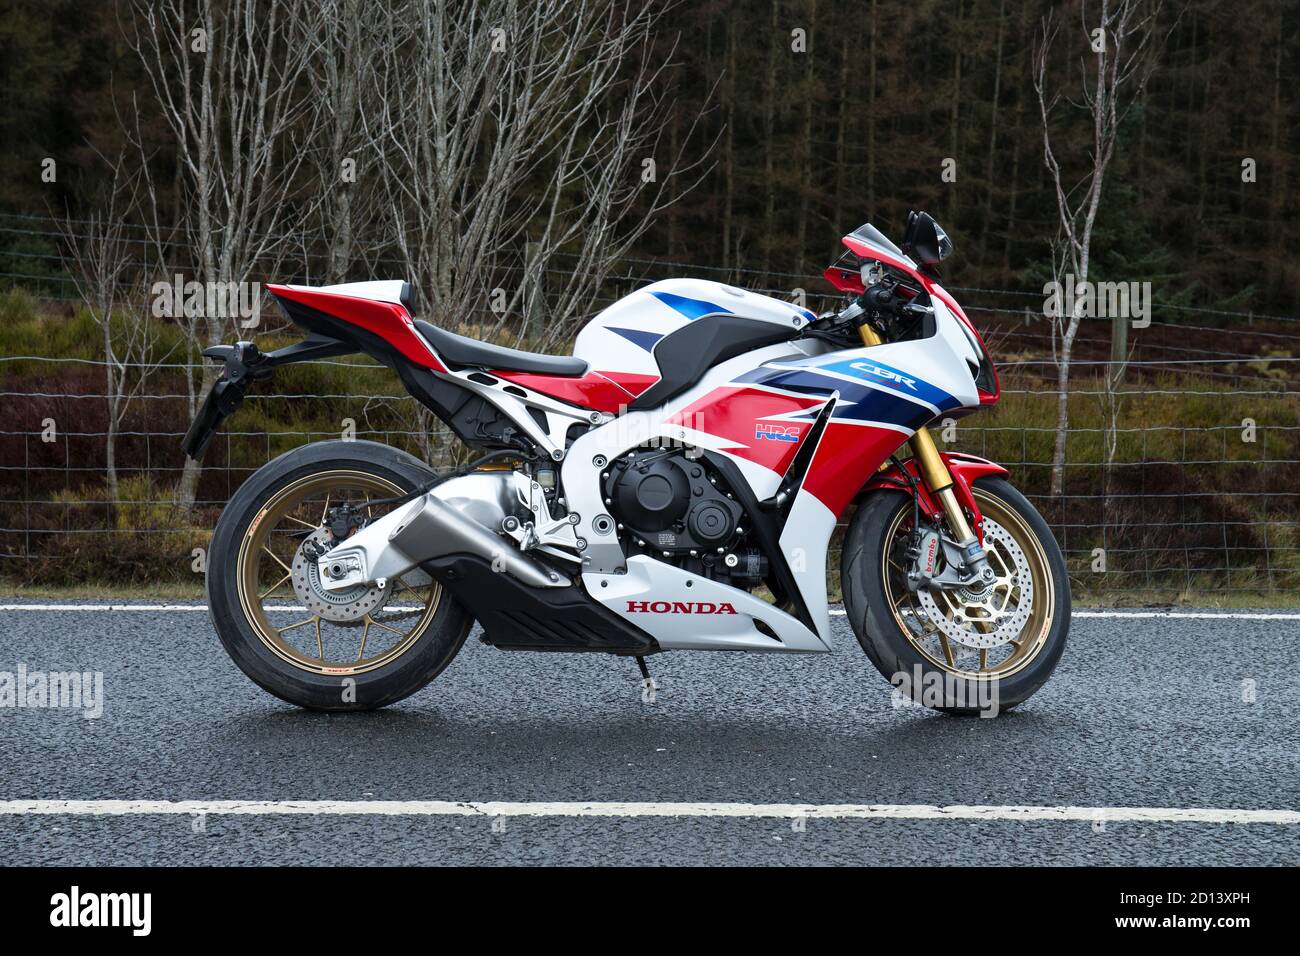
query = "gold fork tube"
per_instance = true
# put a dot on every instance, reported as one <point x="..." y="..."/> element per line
<point x="961" y="528"/>
<point x="933" y="471"/>
<point x="937" y="478"/>
<point x="869" y="335"/>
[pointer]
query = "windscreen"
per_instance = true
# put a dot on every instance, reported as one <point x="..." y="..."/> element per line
<point x="871" y="234"/>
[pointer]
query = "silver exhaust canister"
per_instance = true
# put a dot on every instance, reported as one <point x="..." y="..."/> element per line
<point x="433" y="528"/>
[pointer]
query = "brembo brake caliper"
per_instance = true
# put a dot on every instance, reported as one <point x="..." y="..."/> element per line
<point x="965" y="565"/>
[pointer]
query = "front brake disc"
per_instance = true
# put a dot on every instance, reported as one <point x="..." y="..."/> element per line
<point x="995" y="617"/>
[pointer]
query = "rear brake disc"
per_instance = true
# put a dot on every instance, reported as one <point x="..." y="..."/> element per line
<point x="342" y="606"/>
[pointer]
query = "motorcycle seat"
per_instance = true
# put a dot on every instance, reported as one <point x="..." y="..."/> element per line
<point x="462" y="350"/>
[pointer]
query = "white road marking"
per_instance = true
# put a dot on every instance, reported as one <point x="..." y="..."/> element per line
<point x="1200" y="615"/>
<point x="160" y="607"/>
<point x="834" y="612"/>
<point x="103" y="607"/>
<point x="833" y="811"/>
<point x="1203" y="615"/>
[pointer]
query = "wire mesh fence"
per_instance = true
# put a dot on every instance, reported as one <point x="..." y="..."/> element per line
<point x="1183" y="479"/>
<point x="1205" y="507"/>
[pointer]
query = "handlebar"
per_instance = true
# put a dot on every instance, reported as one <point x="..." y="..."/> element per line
<point x="878" y="302"/>
<point x="883" y="300"/>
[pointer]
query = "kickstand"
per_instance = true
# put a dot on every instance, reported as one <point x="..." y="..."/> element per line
<point x="648" y="687"/>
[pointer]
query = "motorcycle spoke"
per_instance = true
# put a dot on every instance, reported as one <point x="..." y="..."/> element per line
<point x="984" y="658"/>
<point x="271" y="589"/>
<point x="947" y="649"/>
<point x="385" y="626"/>
<point x="277" y="559"/>
<point x="365" y="633"/>
<point x="290" y="627"/>
<point x="320" y="645"/>
<point x="326" y="510"/>
<point x="305" y="524"/>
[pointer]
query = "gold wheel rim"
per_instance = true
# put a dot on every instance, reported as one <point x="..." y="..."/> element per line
<point x="302" y="639"/>
<point x="937" y="648"/>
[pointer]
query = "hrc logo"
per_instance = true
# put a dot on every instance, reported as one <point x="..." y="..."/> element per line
<point x="763" y="430"/>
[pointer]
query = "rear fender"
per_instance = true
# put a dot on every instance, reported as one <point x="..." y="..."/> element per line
<point x="965" y="470"/>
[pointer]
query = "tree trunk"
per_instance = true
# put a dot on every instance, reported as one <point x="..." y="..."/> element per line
<point x="111" y="396"/>
<point x="842" y="132"/>
<point x="728" y="145"/>
<point x="805" y="141"/>
<point x="1014" y="186"/>
<point x="985" y="226"/>
<point x="871" y="117"/>
<point x="1062" y="418"/>
<point x="1277" y="177"/>
<point x="954" y="120"/>
<point x="769" y="137"/>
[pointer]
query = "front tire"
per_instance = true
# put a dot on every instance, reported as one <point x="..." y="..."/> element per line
<point x="926" y="644"/>
<point x="317" y="658"/>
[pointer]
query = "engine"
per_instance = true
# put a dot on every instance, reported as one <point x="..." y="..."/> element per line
<point x="672" y="505"/>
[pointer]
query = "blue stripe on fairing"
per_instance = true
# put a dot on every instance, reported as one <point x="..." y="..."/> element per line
<point x="691" y="308"/>
<point x="858" y="402"/>
<point x="645" y="340"/>
<point x="866" y="369"/>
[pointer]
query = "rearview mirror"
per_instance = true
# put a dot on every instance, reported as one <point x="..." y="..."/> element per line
<point x="924" y="239"/>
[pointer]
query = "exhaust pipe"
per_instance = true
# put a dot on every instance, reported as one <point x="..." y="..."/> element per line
<point x="430" y="528"/>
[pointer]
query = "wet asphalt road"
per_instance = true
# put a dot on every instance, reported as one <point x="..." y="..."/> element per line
<point x="1141" y="712"/>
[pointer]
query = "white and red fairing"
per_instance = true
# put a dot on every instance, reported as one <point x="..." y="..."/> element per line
<point x="757" y="409"/>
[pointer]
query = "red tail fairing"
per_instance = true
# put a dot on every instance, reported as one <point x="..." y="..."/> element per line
<point x="388" y="320"/>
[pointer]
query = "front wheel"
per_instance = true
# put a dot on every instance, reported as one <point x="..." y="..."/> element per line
<point x="948" y="649"/>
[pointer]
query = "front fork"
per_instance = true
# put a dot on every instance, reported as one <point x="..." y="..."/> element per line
<point x="975" y="572"/>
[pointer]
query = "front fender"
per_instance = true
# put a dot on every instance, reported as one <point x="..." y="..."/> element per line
<point x="965" y="470"/>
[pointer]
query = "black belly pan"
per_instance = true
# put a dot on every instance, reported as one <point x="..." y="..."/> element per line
<point x="516" y="616"/>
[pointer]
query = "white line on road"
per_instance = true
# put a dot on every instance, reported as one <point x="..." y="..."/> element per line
<point x="834" y="612"/>
<point x="157" y="607"/>
<point x="1202" y="615"/>
<point x="832" y="811"/>
<point x="103" y="607"/>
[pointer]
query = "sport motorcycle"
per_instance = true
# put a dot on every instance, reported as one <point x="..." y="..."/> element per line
<point x="675" y="484"/>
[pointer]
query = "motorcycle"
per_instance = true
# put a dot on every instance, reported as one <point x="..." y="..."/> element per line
<point x="673" y="485"/>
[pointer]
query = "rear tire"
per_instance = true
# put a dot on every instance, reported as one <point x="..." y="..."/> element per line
<point x="897" y="638"/>
<point x="244" y="628"/>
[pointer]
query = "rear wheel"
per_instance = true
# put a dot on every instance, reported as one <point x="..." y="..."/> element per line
<point x="949" y="649"/>
<point x="356" y="649"/>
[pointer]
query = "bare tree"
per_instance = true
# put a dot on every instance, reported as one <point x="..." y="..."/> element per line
<point x="105" y="275"/>
<point x="525" y="141"/>
<point x="1122" y="37"/>
<point x="227" y="75"/>
<point x="345" y="86"/>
